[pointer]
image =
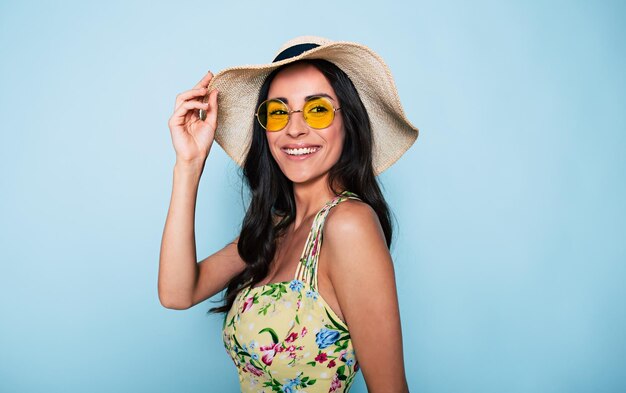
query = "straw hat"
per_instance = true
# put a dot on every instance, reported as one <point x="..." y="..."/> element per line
<point x="239" y="87"/>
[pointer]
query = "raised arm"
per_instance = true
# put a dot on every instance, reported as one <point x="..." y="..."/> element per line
<point x="182" y="281"/>
<point x="363" y="279"/>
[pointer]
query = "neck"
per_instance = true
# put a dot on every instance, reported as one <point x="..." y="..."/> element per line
<point x="310" y="197"/>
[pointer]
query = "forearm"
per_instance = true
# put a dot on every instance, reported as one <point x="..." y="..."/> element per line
<point x="178" y="269"/>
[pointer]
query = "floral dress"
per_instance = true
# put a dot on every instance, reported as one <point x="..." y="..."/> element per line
<point x="283" y="337"/>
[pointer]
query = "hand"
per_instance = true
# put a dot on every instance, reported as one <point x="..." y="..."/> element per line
<point x="191" y="136"/>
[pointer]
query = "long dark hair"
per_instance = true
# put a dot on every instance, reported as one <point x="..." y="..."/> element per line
<point x="272" y="192"/>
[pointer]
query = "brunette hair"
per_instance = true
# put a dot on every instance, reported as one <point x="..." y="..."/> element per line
<point x="271" y="191"/>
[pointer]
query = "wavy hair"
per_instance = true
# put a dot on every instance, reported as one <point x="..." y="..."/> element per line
<point x="272" y="192"/>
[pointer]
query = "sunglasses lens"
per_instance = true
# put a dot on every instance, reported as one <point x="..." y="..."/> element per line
<point x="319" y="112"/>
<point x="273" y="115"/>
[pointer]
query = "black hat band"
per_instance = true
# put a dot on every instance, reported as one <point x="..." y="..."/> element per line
<point x="294" y="51"/>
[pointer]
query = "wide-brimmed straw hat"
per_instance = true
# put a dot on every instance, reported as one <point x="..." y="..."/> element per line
<point x="239" y="87"/>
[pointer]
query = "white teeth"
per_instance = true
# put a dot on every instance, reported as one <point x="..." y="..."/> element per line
<point x="301" y="151"/>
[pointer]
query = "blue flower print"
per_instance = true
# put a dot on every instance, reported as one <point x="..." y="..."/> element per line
<point x="290" y="384"/>
<point x="326" y="337"/>
<point x="296" y="285"/>
<point x="311" y="294"/>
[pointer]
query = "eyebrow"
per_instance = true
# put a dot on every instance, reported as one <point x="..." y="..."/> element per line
<point x="307" y="98"/>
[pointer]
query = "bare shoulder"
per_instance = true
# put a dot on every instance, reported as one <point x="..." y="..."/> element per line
<point x="352" y="218"/>
<point x="354" y="239"/>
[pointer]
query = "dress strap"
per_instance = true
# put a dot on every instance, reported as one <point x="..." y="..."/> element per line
<point x="307" y="268"/>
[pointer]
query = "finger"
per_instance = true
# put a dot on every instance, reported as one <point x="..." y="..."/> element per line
<point x="211" y="118"/>
<point x="180" y="113"/>
<point x="204" y="82"/>
<point x="189" y="94"/>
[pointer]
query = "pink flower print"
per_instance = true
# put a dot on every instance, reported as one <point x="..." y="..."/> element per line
<point x="303" y="332"/>
<point x="291" y="337"/>
<point x="268" y="358"/>
<point x="247" y="304"/>
<point x="335" y="383"/>
<point x="253" y="370"/>
<point x="292" y="355"/>
<point x="291" y="348"/>
<point x="314" y="247"/>
<point x="331" y="364"/>
<point x="322" y="357"/>
<point x="270" y="352"/>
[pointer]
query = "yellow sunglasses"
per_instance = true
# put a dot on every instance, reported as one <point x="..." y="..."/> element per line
<point x="274" y="114"/>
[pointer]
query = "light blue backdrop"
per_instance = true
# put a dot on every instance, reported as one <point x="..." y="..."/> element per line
<point x="510" y="250"/>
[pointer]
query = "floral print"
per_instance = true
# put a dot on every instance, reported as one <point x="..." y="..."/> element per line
<point x="283" y="337"/>
<point x="326" y="337"/>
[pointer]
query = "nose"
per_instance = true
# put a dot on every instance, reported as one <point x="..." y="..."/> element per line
<point x="296" y="126"/>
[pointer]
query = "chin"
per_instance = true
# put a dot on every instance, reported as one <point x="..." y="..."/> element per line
<point x="304" y="176"/>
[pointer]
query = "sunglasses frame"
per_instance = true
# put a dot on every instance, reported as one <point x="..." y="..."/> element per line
<point x="289" y="112"/>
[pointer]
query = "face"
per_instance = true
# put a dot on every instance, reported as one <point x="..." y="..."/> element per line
<point x="293" y="85"/>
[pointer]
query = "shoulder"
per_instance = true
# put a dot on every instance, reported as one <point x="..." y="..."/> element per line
<point x="354" y="241"/>
<point x="352" y="218"/>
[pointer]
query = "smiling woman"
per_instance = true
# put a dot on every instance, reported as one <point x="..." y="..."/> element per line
<point x="298" y="316"/>
<point x="303" y="152"/>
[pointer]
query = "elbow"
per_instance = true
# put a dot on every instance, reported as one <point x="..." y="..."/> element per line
<point x="173" y="303"/>
<point x="175" y="306"/>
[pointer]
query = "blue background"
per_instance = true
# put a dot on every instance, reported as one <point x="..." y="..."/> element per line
<point x="510" y="250"/>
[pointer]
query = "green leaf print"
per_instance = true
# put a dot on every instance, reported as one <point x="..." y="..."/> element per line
<point x="335" y="324"/>
<point x="272" y="333"/>
<point x="256" y="363"/>
<point x="263" y="310"/>
<point x="268" y="292"/>
<point x="276" y="291"/>
<point x="350" y="378"/>
<point x="236" y="342"/>
<point x="341" y="345"/>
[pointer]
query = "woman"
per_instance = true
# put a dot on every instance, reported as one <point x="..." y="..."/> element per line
<point x="324" y="120"/>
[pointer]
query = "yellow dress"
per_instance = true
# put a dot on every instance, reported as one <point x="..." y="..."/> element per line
<point x="283" y="337"/>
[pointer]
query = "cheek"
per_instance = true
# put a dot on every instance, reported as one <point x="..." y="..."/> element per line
<point x="338" y="139"/>
<point x="271" y="142"/>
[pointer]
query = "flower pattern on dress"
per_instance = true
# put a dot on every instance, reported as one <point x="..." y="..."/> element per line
<point x="283" y="337"/>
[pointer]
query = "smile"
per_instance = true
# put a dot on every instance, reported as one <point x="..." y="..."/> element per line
<point x="304" y="151"/>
